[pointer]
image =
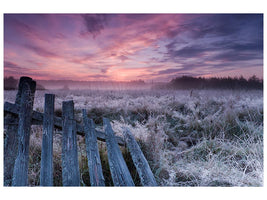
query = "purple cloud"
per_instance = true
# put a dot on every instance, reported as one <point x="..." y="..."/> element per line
<point x="41" y="51"/>
<point x="132" y="43"/>
<point x="94" y="23"/>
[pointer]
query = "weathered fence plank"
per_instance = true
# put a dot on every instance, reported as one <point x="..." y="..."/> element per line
<point x="11" y="138"/>
<point x="46" y="174"/>
<point x="10" y="150"/>
<point x="18" y="120"/>
<point x="94" y="162"/>
<point x="20" y="172"/>
<point x="139" y="160"/>
<point x="70" y="164"/>
<point x="37" y="118"/>
<point x="118" y="168"/>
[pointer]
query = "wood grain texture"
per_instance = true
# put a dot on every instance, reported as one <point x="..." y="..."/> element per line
<point x="20" y="172"/>
<point x="11" y="138"/>
<point x="46" y="174"/>
<point x="70" y="164"/>
<point x="139" y="160"/>
<point x="118" y="168"/>
<point x="94" y="162"/>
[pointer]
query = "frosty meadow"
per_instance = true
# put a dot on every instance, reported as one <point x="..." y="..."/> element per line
<point x="189" y="87"/>
<point x="190" y="138"/>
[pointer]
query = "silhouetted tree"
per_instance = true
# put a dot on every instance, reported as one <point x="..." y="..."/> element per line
<point x="188" y="82"/>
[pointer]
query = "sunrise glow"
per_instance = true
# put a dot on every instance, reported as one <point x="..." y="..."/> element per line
<point x="123" y="47"/>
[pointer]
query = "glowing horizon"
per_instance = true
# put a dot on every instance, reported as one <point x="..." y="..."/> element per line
<point x="124" y="47"/>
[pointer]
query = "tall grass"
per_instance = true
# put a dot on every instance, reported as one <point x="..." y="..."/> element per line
<point x="190" y="138"/>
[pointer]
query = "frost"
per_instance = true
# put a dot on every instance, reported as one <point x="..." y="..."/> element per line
<point x="212" y="137"/>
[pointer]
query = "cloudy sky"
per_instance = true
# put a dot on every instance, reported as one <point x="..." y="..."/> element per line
<point x="126" y="47"/>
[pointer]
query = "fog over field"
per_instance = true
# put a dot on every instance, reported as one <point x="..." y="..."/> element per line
<point x="189" y="87"/>
<point x="189" y="137"/>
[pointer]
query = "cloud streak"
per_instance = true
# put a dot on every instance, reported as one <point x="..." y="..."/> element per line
<point x="133" y="46"/>
<point x="41" y="51"/>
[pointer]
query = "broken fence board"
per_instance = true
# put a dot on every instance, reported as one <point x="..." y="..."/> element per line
<point x="20" y="172"/>
<point x="37" y="118"/>
<point x="46" y="174"/>
<point x="118" y="168"/>
<point x="139" y="160"/>
<point x="94" y="162"/>
<point x="70" y="164"/>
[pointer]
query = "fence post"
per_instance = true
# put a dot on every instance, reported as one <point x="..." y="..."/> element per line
<point x="10" y="150"/>
<point x="70" y="164"/>
<point x="20" y="172"/>
<point x="94" y="162"/>
<point x="139" y="160"/>
<point x="118" y="168"/>
<point x="11" y="139"/>
<point x="46" y="175"/>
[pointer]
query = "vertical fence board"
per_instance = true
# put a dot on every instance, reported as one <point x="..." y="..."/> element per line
<point x="70" y="164"/>
<point x="11" y="138"/>
<point x="94" y="162"/>
<point x="139" y="160"/>
<point x="20" y="172"/>
<point x="10" y="151"/>
<point x="46" y="174"/>
<point x="118" y="168"/>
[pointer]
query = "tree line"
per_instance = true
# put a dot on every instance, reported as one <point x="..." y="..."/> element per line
<point x="188" y="82"/>
<point x="184" y="82"/>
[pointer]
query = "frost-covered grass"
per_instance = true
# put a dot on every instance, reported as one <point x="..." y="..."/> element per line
<point x="190" y="138"/>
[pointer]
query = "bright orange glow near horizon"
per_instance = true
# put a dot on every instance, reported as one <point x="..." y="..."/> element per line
<point x="125" y="47"/>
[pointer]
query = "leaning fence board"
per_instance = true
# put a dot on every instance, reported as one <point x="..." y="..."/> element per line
<point x="139" y="160"/>
<point x="70" y="165"/>
<point x="46" y="174"/>
<point x="118" y="168"/>
<point x="37" y="118"/>
<point x="94" y="163"/>
<point x="20" y="172"/>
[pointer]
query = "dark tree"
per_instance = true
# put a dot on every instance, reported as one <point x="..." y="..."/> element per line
<point x="188" y="82"/>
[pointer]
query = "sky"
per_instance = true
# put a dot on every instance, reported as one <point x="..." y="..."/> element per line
<point x="124" y="47"/>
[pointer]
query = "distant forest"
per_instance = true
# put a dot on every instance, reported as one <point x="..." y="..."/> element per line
<point x="184" y="82"/>
<point x="188" y="82"/>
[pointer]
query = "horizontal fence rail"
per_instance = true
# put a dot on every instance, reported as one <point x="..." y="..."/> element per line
<point x="37" y="119"/>
<point x="18" y="120"/>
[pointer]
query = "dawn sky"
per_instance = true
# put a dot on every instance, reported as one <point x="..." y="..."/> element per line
<point x="127" y="47"/>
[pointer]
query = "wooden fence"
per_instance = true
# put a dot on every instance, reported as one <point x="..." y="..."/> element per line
<point x="18" y="120"/>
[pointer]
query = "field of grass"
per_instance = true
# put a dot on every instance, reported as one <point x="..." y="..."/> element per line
<point x="190" y="138"/>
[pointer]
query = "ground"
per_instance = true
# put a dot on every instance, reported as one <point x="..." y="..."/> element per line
<point x="189" y="137"/>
